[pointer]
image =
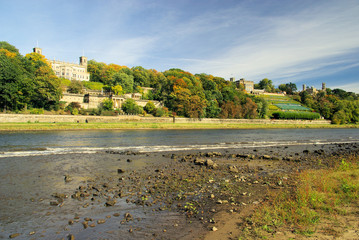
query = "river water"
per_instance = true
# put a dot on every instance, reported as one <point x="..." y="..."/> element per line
<point x="62" y="142"/>
<point x="33" y="165"/>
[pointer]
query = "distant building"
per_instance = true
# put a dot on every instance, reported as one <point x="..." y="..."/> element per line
<point x="248" y="85"/>
<point x="312" y="90"/>
<point x="71" y="71"/>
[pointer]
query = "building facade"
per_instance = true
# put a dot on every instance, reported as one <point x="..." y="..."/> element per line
<point x="71" y="71"/>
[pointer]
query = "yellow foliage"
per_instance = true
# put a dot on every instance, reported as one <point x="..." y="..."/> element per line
<point x="7" y="53"/>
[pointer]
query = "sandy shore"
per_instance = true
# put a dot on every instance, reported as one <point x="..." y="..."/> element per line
<point x="163" y="195"/>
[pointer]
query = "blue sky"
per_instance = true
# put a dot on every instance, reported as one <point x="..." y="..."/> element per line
<point x="284" y="40"/>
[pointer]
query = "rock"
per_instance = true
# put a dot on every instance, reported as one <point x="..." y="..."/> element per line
<point x="71" y="237"/>
<point x="214" y="229"/>
<point x="88" y="219"/>
<point x="54" y="203"/>
<point x="306" y="151"/>
<point x="233" y="169"/>
<point x="276" y="158"/>
<point x="129" y="160"/>
<point x="67" y="178"/>
<point x="85" y="224"/>
<point x="120" y="171"/>
<point x="116" y="214"/>
<point x="128" y="217"/>
<point x="266" y="157"/>
<point x="31" y="233"/>
<point x="199" y="161"/>
<point x="110" y="203"/>
<point x="219" y="201"/>
<point x="14" y="235"/>
<point x="209" y="162"/>
<point x="71" y="222"/>
<point x="101" y="221"/>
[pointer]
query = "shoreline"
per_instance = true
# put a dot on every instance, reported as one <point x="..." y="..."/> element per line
<point x="6" y="127"/>
<point x="167" y="194"/>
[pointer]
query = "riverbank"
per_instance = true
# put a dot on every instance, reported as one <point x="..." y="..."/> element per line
<point x="142" y="125"/>
<point x="160" y="195"/>
<point x="24" y="122"/>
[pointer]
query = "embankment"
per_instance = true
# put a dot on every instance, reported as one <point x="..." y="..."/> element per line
<point x="21" y="118"/>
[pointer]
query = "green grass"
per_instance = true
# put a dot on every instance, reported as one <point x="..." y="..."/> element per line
<point x="141" y="125"/>
<point x="318" y="194"/>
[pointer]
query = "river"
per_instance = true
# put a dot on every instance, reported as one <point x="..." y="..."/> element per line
<point x="62" y="142"/>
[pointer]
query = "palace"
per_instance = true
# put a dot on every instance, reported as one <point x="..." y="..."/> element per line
<point x="71" y="71"/>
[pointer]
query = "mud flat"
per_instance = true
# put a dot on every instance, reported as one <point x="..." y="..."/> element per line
<point x="158" y="195"/>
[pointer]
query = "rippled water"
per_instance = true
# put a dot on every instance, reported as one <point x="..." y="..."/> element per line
<point x="62" y="142"/>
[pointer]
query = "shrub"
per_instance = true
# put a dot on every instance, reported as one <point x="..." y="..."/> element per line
<point x="161" y="112"/>
<point x="37" y="111"/>
<point x="130" y="107"/>
<point x="150" y="107"/>
<point x="296" y="115"/>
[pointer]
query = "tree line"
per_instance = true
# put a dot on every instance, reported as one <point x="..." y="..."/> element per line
<point x="29" y="82"/>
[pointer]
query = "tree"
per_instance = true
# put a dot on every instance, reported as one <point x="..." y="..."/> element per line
<point x="150" y="107"/>
<point x="117" y="90"/>
<point x="289" y="88"/>
<point x="124" y="80"/>
<point x="266" y="84"/>
<point x="130" y="107"/>
<point x="107" y="104"/>
<point x="75" y="87"/>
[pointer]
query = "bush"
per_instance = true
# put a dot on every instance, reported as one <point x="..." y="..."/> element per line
<point x="37" y="111"/>
<point x="296" y="115"/>
<point x="161" y="112"/>
<point x="130" y="107"/>
<point x="150" y="107"/>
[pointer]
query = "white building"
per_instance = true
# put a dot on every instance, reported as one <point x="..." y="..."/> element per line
<point x="71" y="71"/>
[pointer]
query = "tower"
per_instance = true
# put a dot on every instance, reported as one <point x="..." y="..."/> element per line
<point x="324" y="87"/>
<point x="304" y="87"/>
<point x="83" y="61"/>
<point x="37" y="50"/>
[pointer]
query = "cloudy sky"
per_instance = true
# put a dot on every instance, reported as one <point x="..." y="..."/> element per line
<point x="296" y="41"/>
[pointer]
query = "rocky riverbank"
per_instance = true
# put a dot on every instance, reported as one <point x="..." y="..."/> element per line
<point x="163" y="195"/>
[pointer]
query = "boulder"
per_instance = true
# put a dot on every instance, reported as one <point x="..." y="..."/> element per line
<point x="199" y="161"/>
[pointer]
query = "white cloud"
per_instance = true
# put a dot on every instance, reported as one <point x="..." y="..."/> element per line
<point x="351" y="87"/>
<point x="292" y="45"/>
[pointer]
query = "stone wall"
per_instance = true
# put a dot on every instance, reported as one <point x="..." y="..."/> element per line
<point x="6" y="118"/>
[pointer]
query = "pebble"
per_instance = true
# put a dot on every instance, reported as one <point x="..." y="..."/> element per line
<point x="14" y="235"/>
<point x="214" y="229"/>
<point x="101" y="221"/>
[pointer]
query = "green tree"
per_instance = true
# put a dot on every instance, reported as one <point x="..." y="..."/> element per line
<point x="124" y="80"/>
<point x="150" y="107"/>
<point x="266" y="84"/>
<point x="107" y="104"/>
<point x="130" y="107"/>
<point x="75" y="87"/>
<point x="117" y="90"/>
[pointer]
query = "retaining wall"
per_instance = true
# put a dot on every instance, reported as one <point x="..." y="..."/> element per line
<point x="6" y="118"/>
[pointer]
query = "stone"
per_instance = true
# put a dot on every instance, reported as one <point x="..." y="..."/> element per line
<point x="14" y="235"/>
<point x="209" y="163"/>
<point x="54" y="203"/>
<point x="71" y="237"/>
<point x="199" y="161"/>
<point x="101" y="221"/>
<point x="85" y="224"/>
<point x="67" y="178"/>
<point x="128" y="217"/>
<point x="120" y="171"/>
<point x="214" y="229"/>
<point x="266" y="157"/>
<point x="233" y="169"/>
<point x="110" y="203"/>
